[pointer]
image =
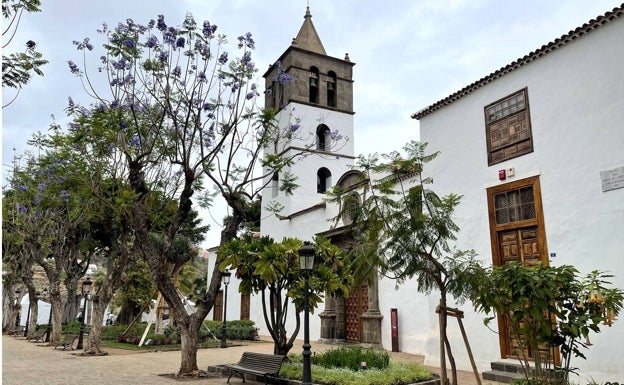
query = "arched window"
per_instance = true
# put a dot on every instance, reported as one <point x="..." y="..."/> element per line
<point x="313" y="82"/>
<point x="323" y="180"/>
<point x="274" y="184"/>
<point x="351" y="207"/>
<point x="331" y="89"/>
<point x="323" y="140"/>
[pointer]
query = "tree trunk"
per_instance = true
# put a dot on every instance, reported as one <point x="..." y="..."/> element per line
<point x="70" y="308"/>
<point x="442" y="326"/>
<point x="95" y="336"/>
<point x="189" y="337"/>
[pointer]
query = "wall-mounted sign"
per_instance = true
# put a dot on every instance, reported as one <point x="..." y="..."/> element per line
<point x="612" y="179"/>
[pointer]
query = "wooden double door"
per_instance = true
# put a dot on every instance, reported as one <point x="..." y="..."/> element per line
<point x="517" y="234"/>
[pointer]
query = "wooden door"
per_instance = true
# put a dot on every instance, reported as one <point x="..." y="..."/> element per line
<point x="217" y="309"/>
<point x="517" y="234"/>
<point x="355" y="306"/>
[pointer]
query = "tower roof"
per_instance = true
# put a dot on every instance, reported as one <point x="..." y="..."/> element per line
<point x="307" y="38"/>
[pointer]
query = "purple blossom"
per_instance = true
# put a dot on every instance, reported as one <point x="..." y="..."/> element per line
<point x="31" y="44"/>
<point x="180" y="42"/>
<point x="246" y="41"/>
<point x="250" y="95"/>
<point x="161" y="23"/>
<point x="335" y="135"/>
<point x="73" y="67"/>
<point x="208" y="29"/>
<point x="129" y="43"/>
<point x="246" y="60"/>
<point x="209" y="107"/>
<point x="21" y="209"/>
<point x="177" y="71"/>
<point x="151" y="23"/>
<point x="64" y="195"/>
<point x="84" y="44"/>
<point x="73" y="126"/>
<point x="23" y="188"/>
<point x="70" y="102"/>
<point x="135" y="142"/>
<point x="123" y="125"/>
<point x="151" y="42"/>
<point x="294" y="127"/>
<point x="284" y="78"/>
<point x="223" y="58"/>
<point x="201" y="75"/>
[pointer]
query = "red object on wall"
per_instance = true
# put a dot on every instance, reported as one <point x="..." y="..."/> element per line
<point x="394" y="324"/>
<point x="502" y="175"/>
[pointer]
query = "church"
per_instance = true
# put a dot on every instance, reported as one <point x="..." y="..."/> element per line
<point x="540" y="140"/>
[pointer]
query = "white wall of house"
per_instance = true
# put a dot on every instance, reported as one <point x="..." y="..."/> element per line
<point x="576" y="98"/>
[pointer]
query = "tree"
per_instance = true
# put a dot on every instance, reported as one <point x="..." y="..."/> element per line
<point x="52" y="223"/>
<point x="402" y="229"/>
<point x="17" y="68"/>
<point x="272" y="270"/>
<point x="178" y="110"/>
<point x="548" y="307"/>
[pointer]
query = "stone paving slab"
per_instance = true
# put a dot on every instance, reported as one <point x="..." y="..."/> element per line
<point x="27" y="363"/>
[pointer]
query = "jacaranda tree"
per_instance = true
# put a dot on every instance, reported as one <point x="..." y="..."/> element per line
<point x="177" y="118"/>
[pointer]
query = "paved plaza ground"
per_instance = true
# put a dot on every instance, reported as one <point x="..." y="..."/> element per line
<point x="28" y="363"/>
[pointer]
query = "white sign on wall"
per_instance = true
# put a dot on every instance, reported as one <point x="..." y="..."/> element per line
<point x="612" y="179"/>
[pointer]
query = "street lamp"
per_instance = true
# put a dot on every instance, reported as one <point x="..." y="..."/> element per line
<point x="225" y="279"/>
<point x="18" y="306"/>
<point x="86" y="288"/>
<point x="37" y="295"/>
<point x="306" y="260"/>
<point x="49" y="328"/>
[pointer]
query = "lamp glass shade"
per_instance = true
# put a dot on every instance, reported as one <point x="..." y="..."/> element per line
<point x="86" y="286"/>
<point x="306" y="256"/>
<point x="225" y="277"/>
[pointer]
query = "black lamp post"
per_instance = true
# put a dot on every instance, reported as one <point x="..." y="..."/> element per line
<point x="306" y="260"/>
<point x="225" y="279"/>
<point x="18" y="306"/>
<point x="86" y="288"/>
<point x="49" y="327"/>
<point x="37" y="295"/>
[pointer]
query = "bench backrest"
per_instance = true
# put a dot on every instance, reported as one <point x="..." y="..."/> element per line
<point x="266" y="363"/>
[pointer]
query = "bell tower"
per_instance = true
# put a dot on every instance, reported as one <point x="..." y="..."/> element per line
<point x="312" y="94"/>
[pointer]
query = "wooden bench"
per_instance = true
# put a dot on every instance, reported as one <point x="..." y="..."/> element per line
<point x="38" y="335"/>
<point x="67" y="342"/>
<point x="17" y="331"/>
<point x="258" y="364"/>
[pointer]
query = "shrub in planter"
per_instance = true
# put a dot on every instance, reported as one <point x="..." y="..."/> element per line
<point x="352" y="358"/>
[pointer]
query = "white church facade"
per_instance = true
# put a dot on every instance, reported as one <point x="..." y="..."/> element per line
<point x="544" y="132"/>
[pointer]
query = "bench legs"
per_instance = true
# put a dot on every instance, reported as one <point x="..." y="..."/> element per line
<point x="233" y="372"/>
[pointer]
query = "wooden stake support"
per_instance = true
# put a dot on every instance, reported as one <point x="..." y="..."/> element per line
<point x="459" y="315"/>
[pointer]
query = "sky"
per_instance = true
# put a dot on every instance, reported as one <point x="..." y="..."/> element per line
<point x="408" y="53"/>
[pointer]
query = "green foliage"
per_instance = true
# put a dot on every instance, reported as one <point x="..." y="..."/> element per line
<point x="352" y="358"/>
<point x="236" y="329"/>
<point x="548" y="306"/>
<point x="17" y="68"/>
<point x="395" y="374"/>
<point x="403" y="229"/>
<point x="273" y="270"/>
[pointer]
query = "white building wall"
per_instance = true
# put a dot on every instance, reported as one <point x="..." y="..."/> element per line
<point x="306" y="167"/>
<point x="576" y="98"/>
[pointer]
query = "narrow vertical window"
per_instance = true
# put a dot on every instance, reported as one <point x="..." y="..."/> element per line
<point x="313" y="83"/>
<point x="274" y="184"/>
<point x="323" y="140"/>
<point x="323" y="180"/>
<point x="331" y="89"/>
